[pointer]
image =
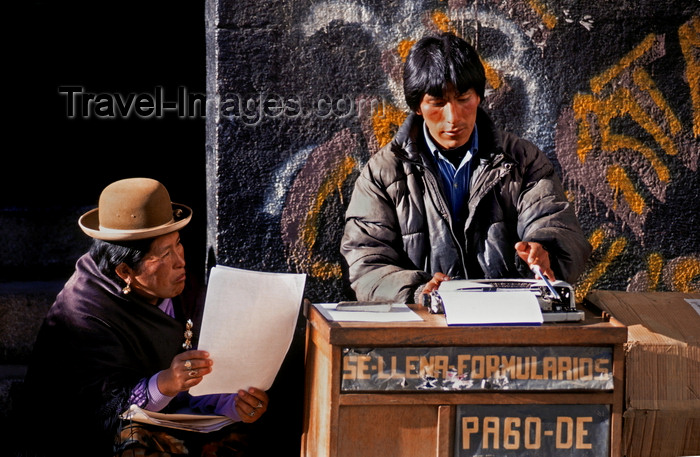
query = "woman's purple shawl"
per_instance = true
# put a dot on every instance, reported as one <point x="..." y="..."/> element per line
<point x="93" y="348"/>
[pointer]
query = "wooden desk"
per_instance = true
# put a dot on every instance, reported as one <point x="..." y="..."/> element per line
<point x="350" y="412"/>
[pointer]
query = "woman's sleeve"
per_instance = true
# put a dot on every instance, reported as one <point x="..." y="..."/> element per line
<point x="220" y="404"/>
<point x="146" y="395"/>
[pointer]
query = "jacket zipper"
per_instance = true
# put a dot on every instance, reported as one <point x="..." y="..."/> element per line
<point x="441" y="205"/>
<point x="480" y="188"/>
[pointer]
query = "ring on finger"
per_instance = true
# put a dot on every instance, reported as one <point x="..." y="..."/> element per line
<point x="252" y="413"/>
<point x="192" y="373"/>
<point x="188" y="364"/>
<point x="259" y="405"/>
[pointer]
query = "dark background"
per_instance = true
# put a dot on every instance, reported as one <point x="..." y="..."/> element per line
<point x="58" y="166"/>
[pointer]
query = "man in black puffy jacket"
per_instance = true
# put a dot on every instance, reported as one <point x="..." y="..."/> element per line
<point x="452" y="196"/>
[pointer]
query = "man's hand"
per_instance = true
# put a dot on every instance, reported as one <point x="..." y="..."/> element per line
<point x="434" y="283"/>
<point x="535" y="254"/>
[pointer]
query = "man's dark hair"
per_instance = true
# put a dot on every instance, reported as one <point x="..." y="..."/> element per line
<point x="108" y="255"/>
<point x="437" y="62"/>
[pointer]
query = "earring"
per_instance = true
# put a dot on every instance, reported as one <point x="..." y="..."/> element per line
<point x="126" y="289"/>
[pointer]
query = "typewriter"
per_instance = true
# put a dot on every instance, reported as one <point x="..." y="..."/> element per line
<point x="561" y="309"/>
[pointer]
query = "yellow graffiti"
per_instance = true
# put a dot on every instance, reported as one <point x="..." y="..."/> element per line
<point x="492" y="76"/>
<point x="689" y="38"/>
<point x="685" y="269"/>
<point x="656" y="264"/>
<point x="620" y="182"/>
<point x="595" y="115"/>
<point x="442" y="21"/>
<point x="548" y="19"/>
<point x="403" y="48"/>
<point x="644" y="82"/>
<point x="323" y="269"/>
<point x="596" y="239"/>
<point x="619" y="103"/>
<point x="622" y="101"/>
<point x="599" y="82"/>
<point x="385" y="121"/>
<point x="679" y="274"/>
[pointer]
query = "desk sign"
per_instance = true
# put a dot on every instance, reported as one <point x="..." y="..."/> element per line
<point x="532" y="430"/>
<point x="478" y="368"/>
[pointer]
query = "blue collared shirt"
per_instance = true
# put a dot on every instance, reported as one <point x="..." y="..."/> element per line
<point x="455" y="181"/>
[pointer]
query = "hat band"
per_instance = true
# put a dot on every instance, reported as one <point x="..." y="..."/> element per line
<point x="111" y="230"/>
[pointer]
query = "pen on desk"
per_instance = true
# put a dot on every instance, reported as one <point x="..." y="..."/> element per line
<point x="538" y="271"/>
<point x="364" y="306"/>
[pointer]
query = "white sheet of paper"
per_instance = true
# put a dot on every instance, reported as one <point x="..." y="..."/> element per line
<point x="247" y="327"/>
<point x="399" y="313"/>
<point x="491" y="308"/>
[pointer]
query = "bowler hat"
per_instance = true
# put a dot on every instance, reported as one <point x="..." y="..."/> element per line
<point x="134" y="209"/>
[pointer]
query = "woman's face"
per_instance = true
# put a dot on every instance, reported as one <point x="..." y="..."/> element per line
<point x="161" y="273"/>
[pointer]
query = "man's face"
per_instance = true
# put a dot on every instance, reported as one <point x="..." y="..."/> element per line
<point x="450" y="119"/>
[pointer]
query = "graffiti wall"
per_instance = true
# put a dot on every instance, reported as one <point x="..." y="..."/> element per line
<point x="301" y="93"/>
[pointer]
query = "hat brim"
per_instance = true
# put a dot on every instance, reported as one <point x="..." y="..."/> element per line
<point x="90" y="224"/>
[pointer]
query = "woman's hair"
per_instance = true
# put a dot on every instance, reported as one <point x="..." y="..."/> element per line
<point x="108" y="255"/>
<point x="438" y="62"/>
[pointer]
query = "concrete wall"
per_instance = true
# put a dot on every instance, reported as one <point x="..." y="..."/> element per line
<point x="301" y="93"/>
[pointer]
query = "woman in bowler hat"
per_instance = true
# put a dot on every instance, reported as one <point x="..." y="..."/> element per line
<point x="120" y="334"/>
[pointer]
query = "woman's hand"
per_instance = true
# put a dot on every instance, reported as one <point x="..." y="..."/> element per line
<point x="251" y="404"/>
<point x="535" y="254"/>
<point x="186" y="370"/>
